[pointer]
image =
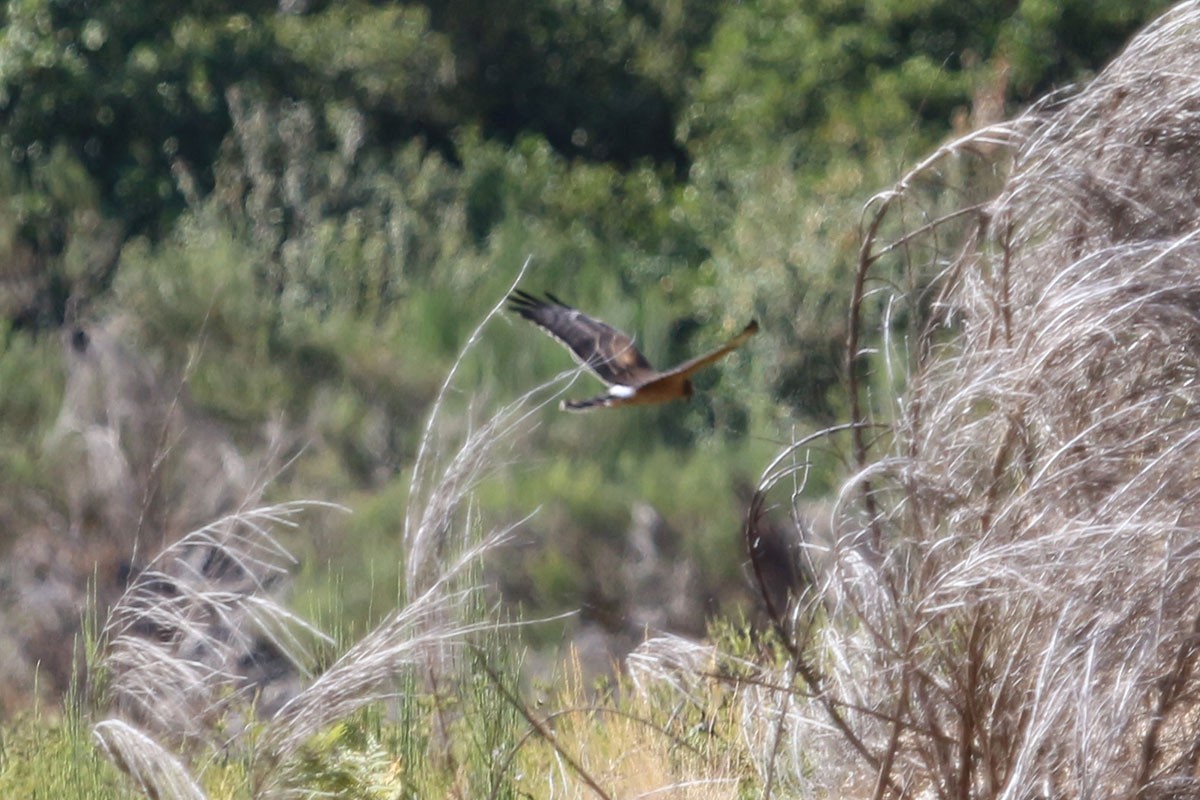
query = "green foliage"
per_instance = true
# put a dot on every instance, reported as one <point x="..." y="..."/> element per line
<point x="195" y="288"/>
<point x="31" y="390"/>
<point x="600" y="80"/>
<point x="349" y="761"/>
<point x="1051" y="41"/>
<point x="849" y="79"/>
<point x="384" y="59"/>
<point x="801" y="112"/>
<point x="124" y="92"/>
<point x="41" y="757"/>
<point x="54" y="237"/>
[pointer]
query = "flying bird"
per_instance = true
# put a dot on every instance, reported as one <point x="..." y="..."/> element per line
<point x="611" y="355"/>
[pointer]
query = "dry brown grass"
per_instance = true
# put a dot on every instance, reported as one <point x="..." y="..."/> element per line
<point x="640" y="743"/>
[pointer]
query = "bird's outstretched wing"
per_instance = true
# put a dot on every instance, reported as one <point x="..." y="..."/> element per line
<point x="601" y="348"/>
<point x="692" y="366"/>
<point x="676" y="382"/>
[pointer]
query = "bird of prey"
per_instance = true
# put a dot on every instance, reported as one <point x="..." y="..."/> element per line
<point x="611" y="355"/>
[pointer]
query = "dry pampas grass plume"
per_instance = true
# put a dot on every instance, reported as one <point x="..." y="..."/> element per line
<point x="1007" y="598"/>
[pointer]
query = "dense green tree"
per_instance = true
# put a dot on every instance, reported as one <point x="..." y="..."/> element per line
<point x="600" y="80"/>
<point x="127" y="89"/>
<point x="802" y="111"/>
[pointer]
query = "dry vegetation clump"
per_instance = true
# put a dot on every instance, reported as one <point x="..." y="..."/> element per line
<point x="1009" y="605"/>
<point x="201" y="633"/>
<point x="640" y="739"/>
<point x="202" y="656"/>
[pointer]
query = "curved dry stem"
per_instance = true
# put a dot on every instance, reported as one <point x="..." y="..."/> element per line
<point x="431" y="515"/>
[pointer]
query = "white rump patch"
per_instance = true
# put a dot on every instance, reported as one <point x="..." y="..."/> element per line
<point x="617" y="390"/>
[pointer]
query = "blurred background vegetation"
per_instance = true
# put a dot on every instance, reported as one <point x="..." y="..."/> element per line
<point x="283" y="220"/>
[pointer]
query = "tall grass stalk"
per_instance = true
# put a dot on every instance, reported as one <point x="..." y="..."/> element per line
<point x="433" y="507"/>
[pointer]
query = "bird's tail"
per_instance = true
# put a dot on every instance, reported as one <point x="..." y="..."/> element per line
<point x="599" y="401"/>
